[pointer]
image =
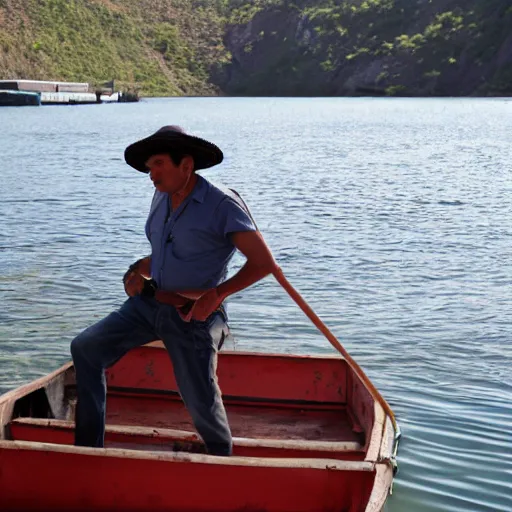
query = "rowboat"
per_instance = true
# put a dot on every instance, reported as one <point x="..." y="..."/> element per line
<point x="311" y="434"/>
<point x="308" y="436"/>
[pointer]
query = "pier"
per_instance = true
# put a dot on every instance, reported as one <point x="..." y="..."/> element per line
<point x="39" y="92"/>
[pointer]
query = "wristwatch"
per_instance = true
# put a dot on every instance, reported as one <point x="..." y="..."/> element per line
<point x="149" y="288"/>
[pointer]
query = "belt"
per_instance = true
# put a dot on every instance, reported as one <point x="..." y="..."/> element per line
<point x="150" y="289"/>
<point x="178" y="301"/>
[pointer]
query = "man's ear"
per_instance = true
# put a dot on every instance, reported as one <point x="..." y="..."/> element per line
<point x="187" y="164"/>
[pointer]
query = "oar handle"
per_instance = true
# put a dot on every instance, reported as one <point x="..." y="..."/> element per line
<point x="280" y="277"/>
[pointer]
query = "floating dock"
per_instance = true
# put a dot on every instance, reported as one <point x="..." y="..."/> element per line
<point x="68" y="98"/>
<point x="40" y="92"/>
<point x="14" y="98"/>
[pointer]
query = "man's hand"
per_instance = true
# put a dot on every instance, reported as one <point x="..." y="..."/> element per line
<point x="259" y="264"/>
<point x="204" y="306"/>
<point x="135" y="276"/>
<point x="133" y="283"/>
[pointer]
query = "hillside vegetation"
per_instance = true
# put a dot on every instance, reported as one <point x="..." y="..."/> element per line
<point x="264" y="47"/>
<point x="162" y="47"/>
<point x="406" y="47"/>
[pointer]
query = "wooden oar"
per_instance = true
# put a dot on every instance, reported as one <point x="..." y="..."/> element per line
<point x="294" y="294"/>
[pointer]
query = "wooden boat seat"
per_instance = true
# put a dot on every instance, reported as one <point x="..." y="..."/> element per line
<point x="165" y="439"/>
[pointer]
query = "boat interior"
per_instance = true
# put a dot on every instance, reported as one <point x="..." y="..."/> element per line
<point x="277" y="405"/>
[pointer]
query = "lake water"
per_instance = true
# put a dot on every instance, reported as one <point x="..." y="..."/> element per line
<point x="392" y="217"/>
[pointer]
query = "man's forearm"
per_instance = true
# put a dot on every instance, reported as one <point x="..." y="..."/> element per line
<point x="249" y="274"/>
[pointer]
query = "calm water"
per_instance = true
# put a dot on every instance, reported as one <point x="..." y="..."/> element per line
<point x="393" y="218"/>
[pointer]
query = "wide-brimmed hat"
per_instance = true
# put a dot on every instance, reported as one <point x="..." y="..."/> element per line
<point x="173" y="139"/>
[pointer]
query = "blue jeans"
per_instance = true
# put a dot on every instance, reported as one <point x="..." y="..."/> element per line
<point x="192" y="347"/>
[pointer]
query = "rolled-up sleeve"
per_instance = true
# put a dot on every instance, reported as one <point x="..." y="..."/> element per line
<point x="231" y="218"/>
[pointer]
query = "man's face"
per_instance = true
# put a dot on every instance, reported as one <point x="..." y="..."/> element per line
<point x="166" y="175"/>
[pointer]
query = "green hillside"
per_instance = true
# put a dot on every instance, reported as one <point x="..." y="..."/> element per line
<point x="163" y="47"/>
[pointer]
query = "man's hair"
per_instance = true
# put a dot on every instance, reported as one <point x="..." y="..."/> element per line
<point x="178" y="156"/>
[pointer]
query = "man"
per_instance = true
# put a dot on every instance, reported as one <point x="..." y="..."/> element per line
<point x="176" y="293"/>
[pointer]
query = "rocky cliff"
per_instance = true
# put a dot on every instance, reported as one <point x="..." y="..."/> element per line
<point x="376" y="47"/>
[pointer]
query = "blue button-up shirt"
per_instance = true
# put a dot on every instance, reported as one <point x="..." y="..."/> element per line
<point x="191" y="246"/>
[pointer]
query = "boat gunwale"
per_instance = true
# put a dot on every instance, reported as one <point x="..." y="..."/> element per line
<point x="158" y="344"/>
<point x="9" y="399"/>
<point x="179" y="457"/>
<point x="381" y="488"/>
<point x="36" y="384"/>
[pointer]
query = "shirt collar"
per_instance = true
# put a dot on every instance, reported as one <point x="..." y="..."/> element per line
<point x="199" y="190"/>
